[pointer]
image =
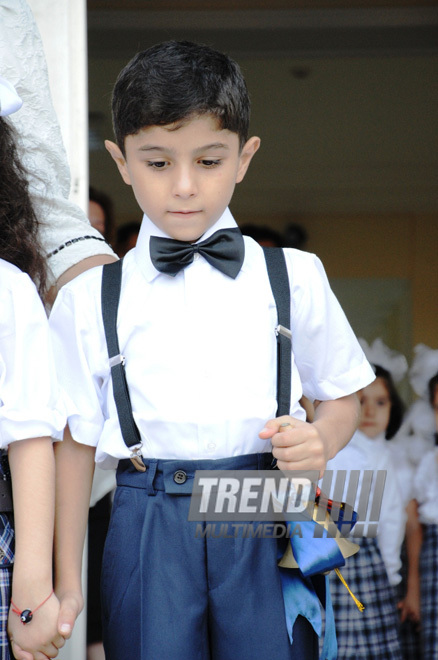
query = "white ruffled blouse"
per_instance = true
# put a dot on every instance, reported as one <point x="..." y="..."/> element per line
<point x="22" y="63"/>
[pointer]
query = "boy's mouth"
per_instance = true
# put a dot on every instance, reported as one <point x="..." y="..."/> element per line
<point x="184" y="212"/>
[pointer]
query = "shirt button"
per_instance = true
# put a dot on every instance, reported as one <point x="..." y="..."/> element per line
<point x="180" y="477"/>
<point x="196" y="256"/>
<point x="211" y="445"/>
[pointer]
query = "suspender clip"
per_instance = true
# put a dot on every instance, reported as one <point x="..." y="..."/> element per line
<point x="136" y="458"/>
<point x="281" y="330"/>
<point x="117" y="359"/>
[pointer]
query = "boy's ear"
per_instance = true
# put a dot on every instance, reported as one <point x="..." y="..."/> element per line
<point x="248" y="151"/>
<point x="119" y="159"/>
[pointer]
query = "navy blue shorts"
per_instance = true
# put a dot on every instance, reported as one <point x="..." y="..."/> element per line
<point x="170" y="594"/>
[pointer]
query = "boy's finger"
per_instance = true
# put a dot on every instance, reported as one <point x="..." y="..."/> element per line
<point x="58" y="641"/>
<point x="275" y="426"/>
<point x="68" y="613"/>
<point x="42" y="656"/>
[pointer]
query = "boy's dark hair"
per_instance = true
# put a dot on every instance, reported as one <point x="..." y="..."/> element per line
<point x="397" y="405"/>
<point x="19" y="225"/>
<point x="177" y="80"/>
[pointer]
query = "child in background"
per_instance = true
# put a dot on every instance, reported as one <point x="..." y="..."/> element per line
<point x="199" y="343"/>
<point x="417" y="433"/>
<point x="420" y="604"/>
<point x="373" y="573"/>
<point x="30" y="413"/>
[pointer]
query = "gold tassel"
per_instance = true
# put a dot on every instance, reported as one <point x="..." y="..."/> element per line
<point x="359" y="605"/>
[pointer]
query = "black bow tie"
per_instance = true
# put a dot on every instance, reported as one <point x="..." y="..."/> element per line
<point x="224" y="250"/>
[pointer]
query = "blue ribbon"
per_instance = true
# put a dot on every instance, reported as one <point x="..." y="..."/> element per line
<point x="314" y="556"/>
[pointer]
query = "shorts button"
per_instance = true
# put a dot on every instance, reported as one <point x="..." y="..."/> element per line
<point x="180" y="477"/>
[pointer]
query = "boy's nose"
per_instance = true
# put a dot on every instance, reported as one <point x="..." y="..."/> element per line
<point x="185" y="184"/>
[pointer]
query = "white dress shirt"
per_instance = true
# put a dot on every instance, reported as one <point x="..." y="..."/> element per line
<point x="363" y="453"/>
<point x="200" y="352"/>
<point x="30" y="401"/>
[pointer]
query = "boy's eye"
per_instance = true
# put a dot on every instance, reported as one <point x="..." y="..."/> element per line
<point x="157" y="164"/>
<point x="209" y="162"/>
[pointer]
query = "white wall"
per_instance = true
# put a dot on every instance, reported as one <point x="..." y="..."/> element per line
<point x="62" y="24"/>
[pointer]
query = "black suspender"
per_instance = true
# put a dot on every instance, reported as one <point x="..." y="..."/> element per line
<point x="278" y="277"/>
<point x="110" y="295"/>
<point x="111" y="285"/>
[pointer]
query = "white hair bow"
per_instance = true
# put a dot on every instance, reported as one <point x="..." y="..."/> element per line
<point x="424" y="367"/>
<point x="380" y="355"/>
<point x="9" y="100"/>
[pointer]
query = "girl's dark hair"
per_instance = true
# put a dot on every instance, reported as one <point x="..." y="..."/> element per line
<point x="174" y="81"/>
<point x="397" y="405"/>
<point x="432" y="385"/>
<point x="19" y="225"/>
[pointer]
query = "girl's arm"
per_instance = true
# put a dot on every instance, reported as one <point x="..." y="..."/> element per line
<point x="304" y="446"/>
<point x="32" y="468"/>
<point x="42" y="151"/>
<point x="74" y="476"/>
<point x="410" y="606"/>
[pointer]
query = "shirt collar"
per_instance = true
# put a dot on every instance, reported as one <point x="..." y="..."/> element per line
<point x="148" y="229"/>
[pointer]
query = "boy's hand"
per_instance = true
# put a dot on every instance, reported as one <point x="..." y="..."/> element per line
<point x="304" y="446"/>
<point x="296" y="445"/>
<point x="38" y="639"/>
<point x="72" y="604"/>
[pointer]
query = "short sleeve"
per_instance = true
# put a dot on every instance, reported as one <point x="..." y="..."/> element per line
<point x="392" y="522"/>
<point x="31" y="403"/>
<point x="77" y="348"/>
<point x="328" y="356"/>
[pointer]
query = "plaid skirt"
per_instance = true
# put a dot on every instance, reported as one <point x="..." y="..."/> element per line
<point x="7" y="539"/>
<point x="429" y="592"/>
<point x="373" y="633"/>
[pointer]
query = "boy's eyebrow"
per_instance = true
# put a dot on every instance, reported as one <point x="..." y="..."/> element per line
<point x="213" y="145"/>
<point x="207" y="147"/>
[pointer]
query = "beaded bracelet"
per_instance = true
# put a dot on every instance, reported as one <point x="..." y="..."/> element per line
<point x="72" y="241"/>
<point x="26" y="616"/>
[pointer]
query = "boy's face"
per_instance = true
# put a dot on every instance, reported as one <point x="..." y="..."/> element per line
<point x="184" y="178"/>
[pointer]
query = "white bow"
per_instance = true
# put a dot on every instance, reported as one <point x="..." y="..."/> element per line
<point x="9" y="100"/>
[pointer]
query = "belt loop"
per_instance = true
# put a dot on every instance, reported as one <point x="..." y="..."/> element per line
<point x="150" y="476"/>
<point x="262" y="463"/>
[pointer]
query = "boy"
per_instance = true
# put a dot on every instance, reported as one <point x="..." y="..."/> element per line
<point x="200" y="348"/>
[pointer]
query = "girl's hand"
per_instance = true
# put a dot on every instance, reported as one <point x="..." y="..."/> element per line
<point x="410" y="607"/>
<point x="39" y="639"/>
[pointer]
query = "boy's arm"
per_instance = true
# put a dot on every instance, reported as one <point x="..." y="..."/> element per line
<point x="32" y="468"/>
<point x="308" y="446"/>
<point x="74" y="476"/>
